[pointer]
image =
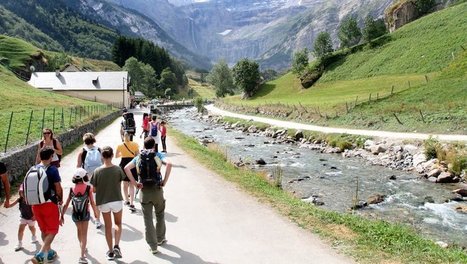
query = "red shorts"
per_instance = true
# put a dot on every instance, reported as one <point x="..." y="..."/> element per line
<point x="47" y="217"/>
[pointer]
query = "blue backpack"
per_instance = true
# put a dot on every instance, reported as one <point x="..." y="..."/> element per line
<point x="154" y="129"/>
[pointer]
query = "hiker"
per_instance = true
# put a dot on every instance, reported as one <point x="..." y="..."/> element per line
<point x="81" y="197"/>
<point x="163" y="130"/>
<point x="127" y="151"/>
<point x="49" y="140"/>
<point x="26" y="219"/>
<point x="45" y="205"/>
<point x="90" y="158"/>
<point x="5" y="180"/>
<point x="128" y="124"/>
<point x="145" y="125"/>
<point x="107" y="181"/>
<point x="154" y="131"/>
<point x="151" y="183"/>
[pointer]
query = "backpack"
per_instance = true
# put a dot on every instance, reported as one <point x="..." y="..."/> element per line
<point x="80" y="204"/>
<point x="91" y="159"/>
<point x="128" y="123"/>
<point x="149" y="169"/>
<point x="36" y="186"/>
<point x="154" y="129"/>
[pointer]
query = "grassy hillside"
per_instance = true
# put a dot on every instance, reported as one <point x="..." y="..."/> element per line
<point x="423" y="65"/>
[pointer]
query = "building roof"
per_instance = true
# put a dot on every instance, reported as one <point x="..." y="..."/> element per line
<point x="79" y="80"/>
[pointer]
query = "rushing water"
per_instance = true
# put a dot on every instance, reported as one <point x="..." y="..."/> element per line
<point x="333" y="179"/>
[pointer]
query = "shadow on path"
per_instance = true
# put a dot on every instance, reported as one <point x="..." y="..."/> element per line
<point x="183" y="256"/>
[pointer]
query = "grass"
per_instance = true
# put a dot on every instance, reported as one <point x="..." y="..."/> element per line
<point x="368" y="241"/>
<point x="202" y="90"/>
<point x="423" y="64"/>
<point x="17" y="51"/>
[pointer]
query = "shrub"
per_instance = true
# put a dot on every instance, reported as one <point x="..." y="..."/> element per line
<point x="433" y="148"/>
<point x="199" y="103"/>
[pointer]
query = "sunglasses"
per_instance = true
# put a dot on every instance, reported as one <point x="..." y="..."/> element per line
<point x="46" y="133"/>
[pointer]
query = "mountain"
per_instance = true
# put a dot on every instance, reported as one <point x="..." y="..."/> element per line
<point x="267" y="30"/>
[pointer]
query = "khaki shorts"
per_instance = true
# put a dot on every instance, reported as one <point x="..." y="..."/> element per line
<point x="30" y="222"/>
<point x="115" y="207"/>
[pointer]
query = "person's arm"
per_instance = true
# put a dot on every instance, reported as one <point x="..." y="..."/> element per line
<point x="65" y="207"/>
<point x="38" y="158"/>
<point x="59" y="149"/>
<point x="79" y="162"/>
<point x="128" y="173"/>
<point x="168" y="169"/>
<point x="118" y="152"/>
<point x="14" y="203"/>
<point x="93" y="203"/>
<point x="59" y="192"/>
<point x="6" y="186"/>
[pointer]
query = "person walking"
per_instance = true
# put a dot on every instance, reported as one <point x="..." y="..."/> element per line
<point x="151" y="183"/>
<point x="90" y="158"/>
<point x="49" y="140"/>
<point x="5" y="180"/>
<point x="26" y="219"/>
<point x="47" y="211"/>
<point x="81" y="197"/>
<point x="154" y="131"/>
<point x="145" y="125"/>
<point x="107" y="186"/>
<point x="127" y="151"/>
<point x="163" y="130"/>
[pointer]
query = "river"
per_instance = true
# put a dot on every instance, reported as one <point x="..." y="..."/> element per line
<point x="332" y="179"/>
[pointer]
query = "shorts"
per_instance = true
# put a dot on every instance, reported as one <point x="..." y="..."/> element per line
<point x="47" y="217"/>
<point x="123" y="163"/>
<point x="29" y="222"/>
<point x="115" y="207"/>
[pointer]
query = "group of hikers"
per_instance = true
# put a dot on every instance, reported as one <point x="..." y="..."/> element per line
<point x="97" y="188"/>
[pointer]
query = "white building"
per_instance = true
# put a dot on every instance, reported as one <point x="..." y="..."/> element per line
<point x="104" y="87"/>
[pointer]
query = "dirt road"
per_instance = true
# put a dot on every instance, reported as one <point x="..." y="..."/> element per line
<point x="208" y="219"/>
<point x="371" y="133"/>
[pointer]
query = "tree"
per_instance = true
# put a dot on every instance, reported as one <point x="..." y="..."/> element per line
<point x="373" y="28"/>
<point x="300" y="61"/>
<point x="246" y="76"/>
<point x="221" y="77"/>
<point x="348" y="32"/>
<point x="168" y="80"/>
<point x="424" y="6"/>
<point x="143" y="77"/>
<point x="322" y="45"/>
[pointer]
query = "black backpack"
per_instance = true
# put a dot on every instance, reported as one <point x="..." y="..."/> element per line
<point x="129" y="124"/>
<point x="80" y="204"/>
<point x="149" y="172"/>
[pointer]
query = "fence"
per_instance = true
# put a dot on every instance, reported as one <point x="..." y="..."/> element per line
<point x="19" y="128"/>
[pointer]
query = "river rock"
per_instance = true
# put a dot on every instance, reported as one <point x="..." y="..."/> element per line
<point x="442" y="244"/>
<point x="433" y="173"/>
<point x="376" y="198"/>
<point x="376" y="149"/>
<point x="261" y="162"/>
<point x="359" y="205"/>
<point x="433" y="179"/>
<point x="298" y="135"/>
<point x="445" y="177"/>
<point x="418" y="159"/>
<point x="252" y="129"/>
<point x="368" y="144"/>
<point x="461" y="209"/>
<point x="462" y="192"/>
<point x="393" y="177"/>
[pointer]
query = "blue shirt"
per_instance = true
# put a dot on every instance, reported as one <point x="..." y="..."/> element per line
<point x="158" y="154"/>
<point x="53" y="176"/>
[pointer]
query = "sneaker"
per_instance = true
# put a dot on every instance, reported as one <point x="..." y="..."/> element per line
<point x="38" y="258"/>
<point x="98" y="224"/>
<point x="117" y="252"/>
<point x="19" y="246"/>
<point x="161" y="242"/>
<point x="51" y="255"/>
<point x="154" y="251"/>
<point x="110" y="255"/>
<point x="83" y="260"/>
<point x="127" y="203"/>
<point x="132" y="208"/>
<point x="34" y="239"/>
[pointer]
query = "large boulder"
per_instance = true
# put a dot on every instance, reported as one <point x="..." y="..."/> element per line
<point x="308" y="78"/>
<point x="376" y="198"/>
<point x="445" y="177"/>
<point x="400" y="14"/>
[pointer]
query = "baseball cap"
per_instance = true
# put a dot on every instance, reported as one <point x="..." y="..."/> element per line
<point x="79" y="173"/>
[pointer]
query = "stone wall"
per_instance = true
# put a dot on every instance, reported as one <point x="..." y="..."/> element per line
<point x="20" y="160"/>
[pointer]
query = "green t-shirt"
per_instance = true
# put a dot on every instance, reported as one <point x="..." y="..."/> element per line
<point x="107" y="182"/>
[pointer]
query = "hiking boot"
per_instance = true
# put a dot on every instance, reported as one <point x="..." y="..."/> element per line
<point x="83" y="260"/>
<point x="161" y="242"/>
<point x="110" y="255"/>
<point x="34" y="239"/>
<point x="117" y="252"/>
<point x="132" y="208"/>
<point x="154" y="251"/>
<point x="51" y="255"/>
<point x="19" y="246"/>
<point x="127" y="203"/>
<point x="38" y="258"/>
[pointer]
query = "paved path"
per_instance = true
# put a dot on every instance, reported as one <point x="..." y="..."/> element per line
<point x="372" y="133"/>
<point x="208" y="219"/>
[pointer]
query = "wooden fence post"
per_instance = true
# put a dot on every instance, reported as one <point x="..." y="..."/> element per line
<point x="29" y="127"/>
<point x="8" y="133"/>
<point x="398" y="121"/>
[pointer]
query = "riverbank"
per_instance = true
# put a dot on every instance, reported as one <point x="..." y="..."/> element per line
<point x="368" y="241"/>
